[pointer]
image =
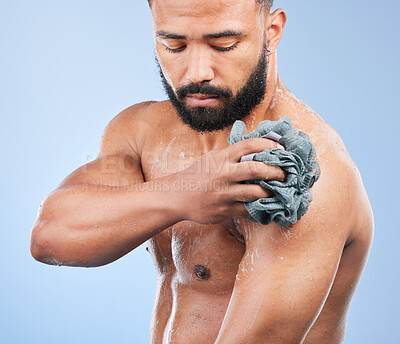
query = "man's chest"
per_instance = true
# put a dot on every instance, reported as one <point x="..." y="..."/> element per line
<point x="200" y="256"/>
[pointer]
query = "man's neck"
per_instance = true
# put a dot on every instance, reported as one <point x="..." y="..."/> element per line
<point x="263" y="111"/>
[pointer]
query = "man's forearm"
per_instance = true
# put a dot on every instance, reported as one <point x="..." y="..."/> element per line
<point x="92" y="225"/>
<point x="84" y="224"/>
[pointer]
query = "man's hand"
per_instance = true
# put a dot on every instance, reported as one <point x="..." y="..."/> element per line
<point x="211" y="190"/>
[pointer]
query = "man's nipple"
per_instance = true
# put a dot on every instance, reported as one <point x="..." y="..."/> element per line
<point x="202" y="272"/>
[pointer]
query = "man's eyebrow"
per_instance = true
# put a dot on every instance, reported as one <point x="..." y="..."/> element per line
<point x="168" y="35"/>
<point x="226" y="33"/>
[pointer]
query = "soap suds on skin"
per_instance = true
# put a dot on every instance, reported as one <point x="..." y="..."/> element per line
<point x="53" y="261"/>
<point x="163" y="157"/>
<point x="285" y="232"/>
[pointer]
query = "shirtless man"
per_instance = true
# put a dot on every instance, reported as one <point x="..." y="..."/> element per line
<point x="165" y="174"/>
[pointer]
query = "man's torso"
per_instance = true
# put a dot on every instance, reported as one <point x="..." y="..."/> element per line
<point x="197" y="264"/>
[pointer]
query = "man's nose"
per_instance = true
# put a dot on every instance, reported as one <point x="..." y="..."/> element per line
<point x="199" y="67"/>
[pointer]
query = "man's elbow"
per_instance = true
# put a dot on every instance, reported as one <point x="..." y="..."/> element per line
<point x="37" y="251"/>
<point x="52" y="242"/>
<point x="39" y="245"/>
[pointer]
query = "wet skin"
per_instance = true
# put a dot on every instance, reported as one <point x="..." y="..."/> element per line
<point x="271" y="285"/>
<point x="190" y="308"/>
<point x="198" y="265"/>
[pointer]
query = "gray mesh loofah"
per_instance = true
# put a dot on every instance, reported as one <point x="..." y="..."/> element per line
<point x="291" y="197"/>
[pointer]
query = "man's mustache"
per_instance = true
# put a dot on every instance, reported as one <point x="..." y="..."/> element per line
<point x="203" y="88"/>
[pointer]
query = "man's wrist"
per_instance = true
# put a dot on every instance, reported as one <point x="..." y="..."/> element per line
<point x="171" y="196"/>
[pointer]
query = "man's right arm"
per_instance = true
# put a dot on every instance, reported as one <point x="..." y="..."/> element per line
<point x="105" y="209"/>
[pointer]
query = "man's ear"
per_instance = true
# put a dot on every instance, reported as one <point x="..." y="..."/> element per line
<point x="274" y="26"/>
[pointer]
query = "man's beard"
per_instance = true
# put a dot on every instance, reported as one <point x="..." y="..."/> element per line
<point x="217" y="118"/>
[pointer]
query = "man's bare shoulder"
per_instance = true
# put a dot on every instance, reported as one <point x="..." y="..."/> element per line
<point x="148" y="111"/>
<point x="127" y="131"/>
<point x="326" y="140"/>
<point x="339" y="192"/>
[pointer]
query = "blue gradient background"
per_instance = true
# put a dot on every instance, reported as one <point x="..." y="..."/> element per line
<point x="68" y="67"/>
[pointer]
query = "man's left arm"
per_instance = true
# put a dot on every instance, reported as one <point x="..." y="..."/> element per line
<point x="286" y="274"/>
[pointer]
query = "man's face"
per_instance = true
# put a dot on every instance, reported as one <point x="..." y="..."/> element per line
<point x="212" y="56"/>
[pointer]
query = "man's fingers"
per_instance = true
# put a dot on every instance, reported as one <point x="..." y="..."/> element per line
<point x="249" y="192"/>
<point x="249" y="146"/>
<point x="250" y="170"/>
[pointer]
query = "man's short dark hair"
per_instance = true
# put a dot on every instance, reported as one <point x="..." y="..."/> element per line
<point x="266" y="3"/>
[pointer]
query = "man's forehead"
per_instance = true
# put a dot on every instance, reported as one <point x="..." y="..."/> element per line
<point x="181" y="13"/>
<point x="199" y="6"/>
